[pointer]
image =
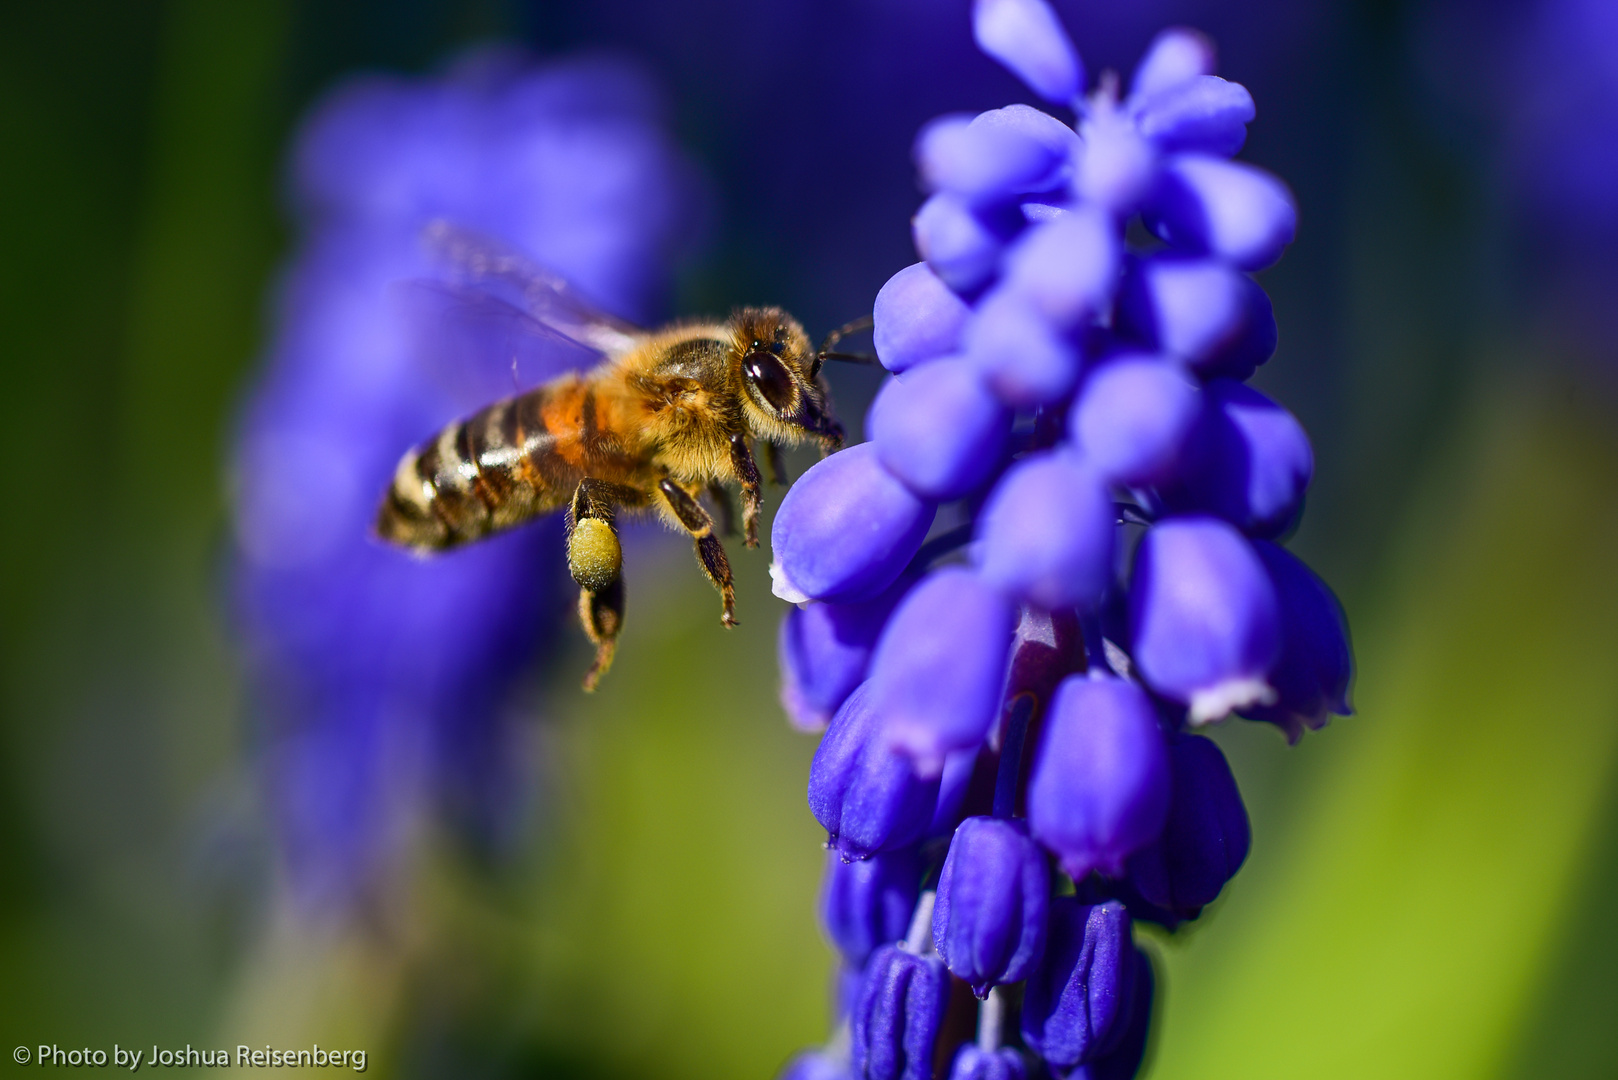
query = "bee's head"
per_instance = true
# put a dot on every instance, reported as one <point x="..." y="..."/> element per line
<point x="783" y="395"/>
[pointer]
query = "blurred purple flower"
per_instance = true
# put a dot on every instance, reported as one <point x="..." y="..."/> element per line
<point x="1538" y="77"/>
<point x="384" y="683"/>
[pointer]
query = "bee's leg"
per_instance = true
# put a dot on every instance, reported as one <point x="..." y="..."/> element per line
<point x="778" y="465"/>
<point x="595" y="559"/>
<point x="741" y="459"/>
<point x="727" y="512"/>
<point x="602" y="614"/>
<point x="710" y="552"/>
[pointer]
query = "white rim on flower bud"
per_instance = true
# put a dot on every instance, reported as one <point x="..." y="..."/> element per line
<point x="783" y="586"/>
<point x="1221" y="699"/>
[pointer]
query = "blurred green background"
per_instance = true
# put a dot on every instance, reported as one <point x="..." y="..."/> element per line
<point x="1430" y="887"/>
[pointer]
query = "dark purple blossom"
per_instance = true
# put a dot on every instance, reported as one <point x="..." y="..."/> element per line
<point x="1100" y="787"/>
<point x="868" y="797"/>
<point x="1247" y="460"/>
<point x="824" y="650"/>
<point x="1074" y="393"/>
<point x="896" y="1022"/>
<point x="867" y="904"/>
<point x="1124" y="1060"/>
<point x="989" y="919"/>
<point x="1205" y="839"/>
<point x="1077" y="1003"/>
<point x="383" y="682"/>
<point x="1313" y="675"/>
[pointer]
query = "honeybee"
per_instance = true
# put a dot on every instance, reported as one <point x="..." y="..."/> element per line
<point x="664" y="418"/>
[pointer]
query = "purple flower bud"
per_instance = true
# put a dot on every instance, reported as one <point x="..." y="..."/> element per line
<point x="1132" y="416"/>
<point x="1175" y="56"/>
<point x="1198" y="309"/>
<point x="1023" y="359"/>
<point x="845" y="530"/>
<point x="939" y="665"/>
<point x="1247" y="460"/>
<point x="1312" y="677"/>
<point x="1048" y="532"/>
<point x="1123" y="1061"/>
<point x="938" y="429"/>
<point x="972" y="1062"/>
<point x="1252" y="346"/>
<point x="1117" y="165"/>
<point x="989" y="922"/>
<point x="867" y="904"/>
<point x="1067" y="270"/>
<point x="867" y="797"/>
<point x="1039" y="126"/>
<point x="895" y="1025"/>
<point x="995" y="156"/>
<point x="1027" y="37"/>
<point x="1205" y="204"/>
<point x="1205" y="839"/>
<point x="1100" y="784"/>
<point x="962" y="243"/>
<point x="824" y="650"/>
<point x="815" y="1065"/>
<point x="917" y="318"/>
<point x="1077" y="1002"/>
<point x="1204" y="621"/>
<point x="1205" y="114"/>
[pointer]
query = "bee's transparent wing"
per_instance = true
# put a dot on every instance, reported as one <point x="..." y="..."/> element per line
<point x="484" y="264"/>
<point x="475" y="348"/>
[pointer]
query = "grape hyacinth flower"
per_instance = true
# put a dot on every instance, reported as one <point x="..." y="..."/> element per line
<point x="1068" y="400"/>
<point x="384" y="683"/>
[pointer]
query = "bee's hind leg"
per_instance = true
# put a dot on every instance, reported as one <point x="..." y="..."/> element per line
<point x="602" y="614"/>
<point x="595" y="559"/>
<point x="710" y="552"/>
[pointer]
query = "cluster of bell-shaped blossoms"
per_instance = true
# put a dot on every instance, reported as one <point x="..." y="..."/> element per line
<point x="1010" y="772"/>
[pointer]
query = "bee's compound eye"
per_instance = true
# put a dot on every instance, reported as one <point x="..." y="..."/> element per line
<point x="769" y="376"/>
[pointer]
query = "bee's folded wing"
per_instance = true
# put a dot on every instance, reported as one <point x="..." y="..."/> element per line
<point x="485" y="264"/>
<point x="475" y="348"/>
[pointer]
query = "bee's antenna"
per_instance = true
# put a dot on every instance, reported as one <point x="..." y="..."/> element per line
<point x="828" y="346"/>
<point x="864" y="322"/>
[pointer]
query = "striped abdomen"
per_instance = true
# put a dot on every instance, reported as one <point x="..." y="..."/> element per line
<point x="510" y="462"/>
